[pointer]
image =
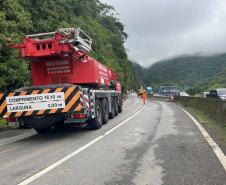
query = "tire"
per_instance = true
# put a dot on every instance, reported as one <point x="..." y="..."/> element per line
<point x="112" y="113"/>
<point x="97" y="122"/>
<point x="43" y="130"/>
<point x="116" y="107"/>
<point x="120" y="108"/>
<point x="120" y="105"/>
<point x="105" y="111"/>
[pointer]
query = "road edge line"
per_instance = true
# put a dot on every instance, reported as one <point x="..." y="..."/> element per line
<point x="69" y="156"/>
<point x="216" y="149"/>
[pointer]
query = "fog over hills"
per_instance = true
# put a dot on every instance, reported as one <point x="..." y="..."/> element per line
<point x="187" y="71"/>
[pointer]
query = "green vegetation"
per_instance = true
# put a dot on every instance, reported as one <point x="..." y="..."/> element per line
<point x="2" y="123"/>
<point x="22" y="17"/>
<point x="140" y="76"/>
<point x="193" y="74"/>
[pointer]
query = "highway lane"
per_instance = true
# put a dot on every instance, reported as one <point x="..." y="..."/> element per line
<point x="160" y="145"/>
<point x="24" y="155"/>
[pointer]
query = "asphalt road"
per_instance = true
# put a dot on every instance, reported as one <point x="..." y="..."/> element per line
<point x="159" y="145"/>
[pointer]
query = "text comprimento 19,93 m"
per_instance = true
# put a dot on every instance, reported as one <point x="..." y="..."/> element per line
<point x="35" y="102"/>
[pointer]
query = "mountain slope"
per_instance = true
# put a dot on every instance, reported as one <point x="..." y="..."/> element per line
<point x="191" y="73"/>
<point x="186" y="70"/>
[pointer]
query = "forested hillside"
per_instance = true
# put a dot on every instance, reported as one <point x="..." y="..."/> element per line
<point x="198" y="73"/>
<point x="22" y="17"/>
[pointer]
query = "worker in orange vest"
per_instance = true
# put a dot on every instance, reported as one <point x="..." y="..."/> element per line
<point x="144" y="97"/>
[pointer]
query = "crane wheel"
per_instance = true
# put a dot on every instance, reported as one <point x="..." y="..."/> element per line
<point x="112" y="113"/>
<point x="96" y="123"/>
<point x="120" y="105"/>
<point x="116" y="107"/>
<point x="105" y="111"/>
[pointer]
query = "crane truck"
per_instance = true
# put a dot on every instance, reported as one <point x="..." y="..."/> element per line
<point x="68" y="85"/>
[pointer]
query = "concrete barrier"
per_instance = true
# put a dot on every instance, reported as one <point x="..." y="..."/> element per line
<point x="215" y="109"/>
<point x="160" y="98"/>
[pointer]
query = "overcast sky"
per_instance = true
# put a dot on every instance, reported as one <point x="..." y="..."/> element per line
<point x="159" y="29"/>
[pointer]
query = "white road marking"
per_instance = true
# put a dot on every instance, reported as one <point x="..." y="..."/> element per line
<point x="218" y="152"/>
<point x="61" y="161"/>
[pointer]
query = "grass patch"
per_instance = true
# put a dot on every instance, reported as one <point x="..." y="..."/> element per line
<point x="217" y="130"/>
<point x="2" y="123"/>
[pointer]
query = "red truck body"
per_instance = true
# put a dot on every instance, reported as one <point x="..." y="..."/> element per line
<point x="71" y="71"/>
<point x="55" y="62"/>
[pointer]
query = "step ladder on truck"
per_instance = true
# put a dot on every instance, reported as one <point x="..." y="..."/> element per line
<point x="69" y="87"/>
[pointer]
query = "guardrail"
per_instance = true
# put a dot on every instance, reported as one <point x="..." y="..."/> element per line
<point x="215" y="109"/>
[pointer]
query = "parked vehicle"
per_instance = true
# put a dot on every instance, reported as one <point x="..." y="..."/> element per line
<point x="204" y="94"/>
<point x="149" y="91"/>
<point x="185" y="94"/>
<point x="169" y="91"/>
<point x="217" y="94"/>
<point x="68" y="85"/>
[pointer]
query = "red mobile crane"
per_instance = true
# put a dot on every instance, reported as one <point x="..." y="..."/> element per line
<point x="68" y="85"/>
